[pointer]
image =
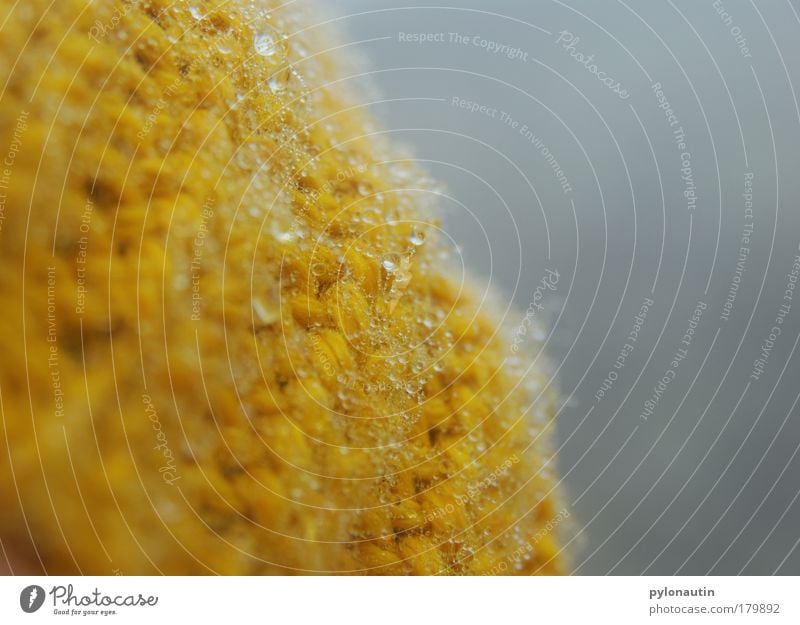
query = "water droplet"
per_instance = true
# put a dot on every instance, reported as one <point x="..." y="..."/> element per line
<point x="264" y="313"/>
<point x="417" y="238"/>
<point x="224" y="45"/>
<point x="301" y="50"/>
<point x="195" y="13"/>
<point x="388" y="263"/>
<point x="276" y="85"/>
<point x="266" y="44"/>
<point x="284" y="236"/>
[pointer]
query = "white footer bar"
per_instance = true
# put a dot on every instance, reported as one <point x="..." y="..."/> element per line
<point x="350" y="600"/>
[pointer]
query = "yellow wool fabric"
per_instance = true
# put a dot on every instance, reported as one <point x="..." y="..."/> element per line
<point x="232" y="343"/>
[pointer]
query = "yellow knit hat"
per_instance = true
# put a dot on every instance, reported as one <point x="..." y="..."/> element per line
<point x="231" y="340"/>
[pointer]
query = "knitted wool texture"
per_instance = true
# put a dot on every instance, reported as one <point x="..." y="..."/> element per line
<point x="232" y="343"/>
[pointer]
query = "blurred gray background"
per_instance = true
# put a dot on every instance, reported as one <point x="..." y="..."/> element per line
<point x="602" y="192"/>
